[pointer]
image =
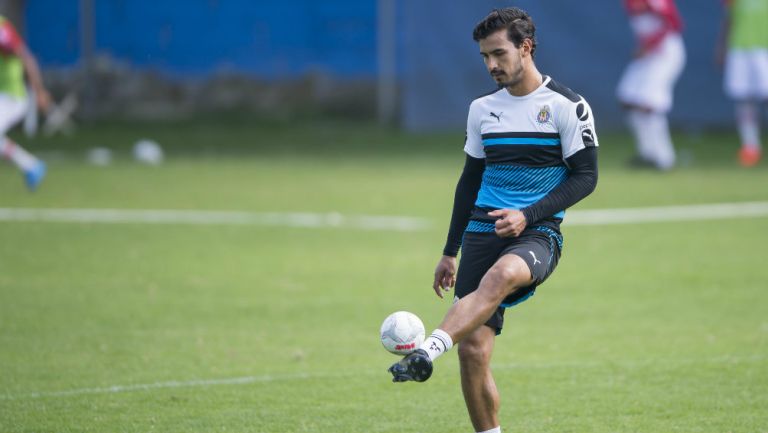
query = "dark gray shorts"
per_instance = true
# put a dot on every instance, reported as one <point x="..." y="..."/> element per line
<point x="538" y="246"/>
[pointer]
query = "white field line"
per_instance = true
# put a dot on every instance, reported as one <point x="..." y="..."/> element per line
<point x="372" y="222"/>
<point x="698" y="212"/>
<point x="246" y="380"/>
<point x="311" y="220"/>
<point x="115" y="389"/>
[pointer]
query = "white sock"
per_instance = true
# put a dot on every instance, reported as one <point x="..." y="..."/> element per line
<point x="437" y="344"/>
<point x="23" y="159"/>
<point x="747" y="123"/>
<point x="635" y="119"/>
<point x="496" y="429"/>
<point x="638" y="123"/>
<point x="654" y="142"/>
<point x="663" y="149"/>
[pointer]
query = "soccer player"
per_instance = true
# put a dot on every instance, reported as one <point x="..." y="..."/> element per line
<point x="16" y="61"/>
<point x="746" y="70"/>
<point x="645" y="89"/>
<point x="531" y="152"/>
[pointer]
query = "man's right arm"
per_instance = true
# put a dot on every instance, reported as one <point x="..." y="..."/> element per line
<point x="463" y="203"/>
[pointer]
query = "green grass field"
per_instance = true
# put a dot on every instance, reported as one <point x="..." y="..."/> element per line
<point x="134" y="327"/>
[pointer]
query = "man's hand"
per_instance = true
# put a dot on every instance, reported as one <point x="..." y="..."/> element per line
<point x="510" y="222"/>
<point x="445" y="275"/>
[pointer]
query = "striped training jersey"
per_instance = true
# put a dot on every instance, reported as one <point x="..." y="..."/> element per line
<point x="525" y="141"/>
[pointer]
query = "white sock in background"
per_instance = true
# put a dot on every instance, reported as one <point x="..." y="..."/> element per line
<point x="638" y="122"/>
<point x="748" y="124"/>
<point x="493" y="430"/>
<point x="437" y="343"/>
<point x="654" y="143"/>
<point x="663" y="149"/>
<point x="23" y="159"/>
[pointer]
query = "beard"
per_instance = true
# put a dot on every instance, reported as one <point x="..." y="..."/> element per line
<point x="512" y="79"/>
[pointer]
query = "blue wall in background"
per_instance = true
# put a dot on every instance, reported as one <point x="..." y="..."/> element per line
<point x="271" y="39"/>
<point x="584" y="45"/>
<point x="53" y="31"/>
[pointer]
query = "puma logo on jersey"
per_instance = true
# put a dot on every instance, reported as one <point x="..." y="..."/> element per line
<point x="497" y="116"/>
<point x="535" y="260"/>
<point x="588" y="138"/>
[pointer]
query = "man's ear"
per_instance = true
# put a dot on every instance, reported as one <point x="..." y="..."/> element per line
<point x="526" y="46"/>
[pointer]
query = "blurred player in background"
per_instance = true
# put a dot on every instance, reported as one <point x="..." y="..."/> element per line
<point x="15" y="62"/>
<point x="745" y="37"/>
<point x="645" y="89"/>
<point x="531" y="152"/>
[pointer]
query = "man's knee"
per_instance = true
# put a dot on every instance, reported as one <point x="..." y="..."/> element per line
<point x="473" y="355"/>
<point x="502" y="275"/>
<point x="475" y="350"/>
<point x="508" y="274"/>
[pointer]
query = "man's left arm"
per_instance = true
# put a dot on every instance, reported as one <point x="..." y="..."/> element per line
<point x="579" y="184"/>
<point x="581" y="181"/>
<point x="576" y="125"/>
<point x="579" y="140"/>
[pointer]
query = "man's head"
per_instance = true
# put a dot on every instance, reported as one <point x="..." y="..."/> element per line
<point x="507" y="39"/>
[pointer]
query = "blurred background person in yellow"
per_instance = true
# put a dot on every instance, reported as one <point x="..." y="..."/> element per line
<point x="744" y="48"/>
<point x="16" y="61"/>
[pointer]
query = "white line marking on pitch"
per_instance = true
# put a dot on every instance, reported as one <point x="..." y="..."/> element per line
<point x="246" y="380"/>
<point x="312" y="220"/>
<point x="373" y="222"/>
<point x="697" y="212"/>
<point x="115" y="389"/>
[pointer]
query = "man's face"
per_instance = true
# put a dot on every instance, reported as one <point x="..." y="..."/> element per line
<point x="503" y="60"/>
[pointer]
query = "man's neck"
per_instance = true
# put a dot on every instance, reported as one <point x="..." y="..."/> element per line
<point x="530" y="82"/>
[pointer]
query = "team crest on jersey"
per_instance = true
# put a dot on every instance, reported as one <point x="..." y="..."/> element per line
<point x="544" y="114"/>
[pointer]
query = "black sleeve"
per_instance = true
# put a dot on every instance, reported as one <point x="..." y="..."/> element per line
<point x="463" y="203"/>
<point x="581" y="181"/>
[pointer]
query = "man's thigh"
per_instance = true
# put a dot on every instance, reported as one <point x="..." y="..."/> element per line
<point x="479" y="252"/>
<point x="538" y="247"/>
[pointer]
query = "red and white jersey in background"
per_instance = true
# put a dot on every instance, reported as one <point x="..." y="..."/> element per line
<point x="652" y="20"/>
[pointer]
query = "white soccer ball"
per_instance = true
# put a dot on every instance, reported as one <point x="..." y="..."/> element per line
<point x="100" y="156"/>
<point x="148" y="152"/>
<point x="402" y="333"/>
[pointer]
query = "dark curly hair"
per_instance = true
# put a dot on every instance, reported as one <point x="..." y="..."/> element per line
<point x="518" y="23"/>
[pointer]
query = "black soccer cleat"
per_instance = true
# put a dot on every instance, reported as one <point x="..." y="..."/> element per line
<point x="415" y="366"/>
